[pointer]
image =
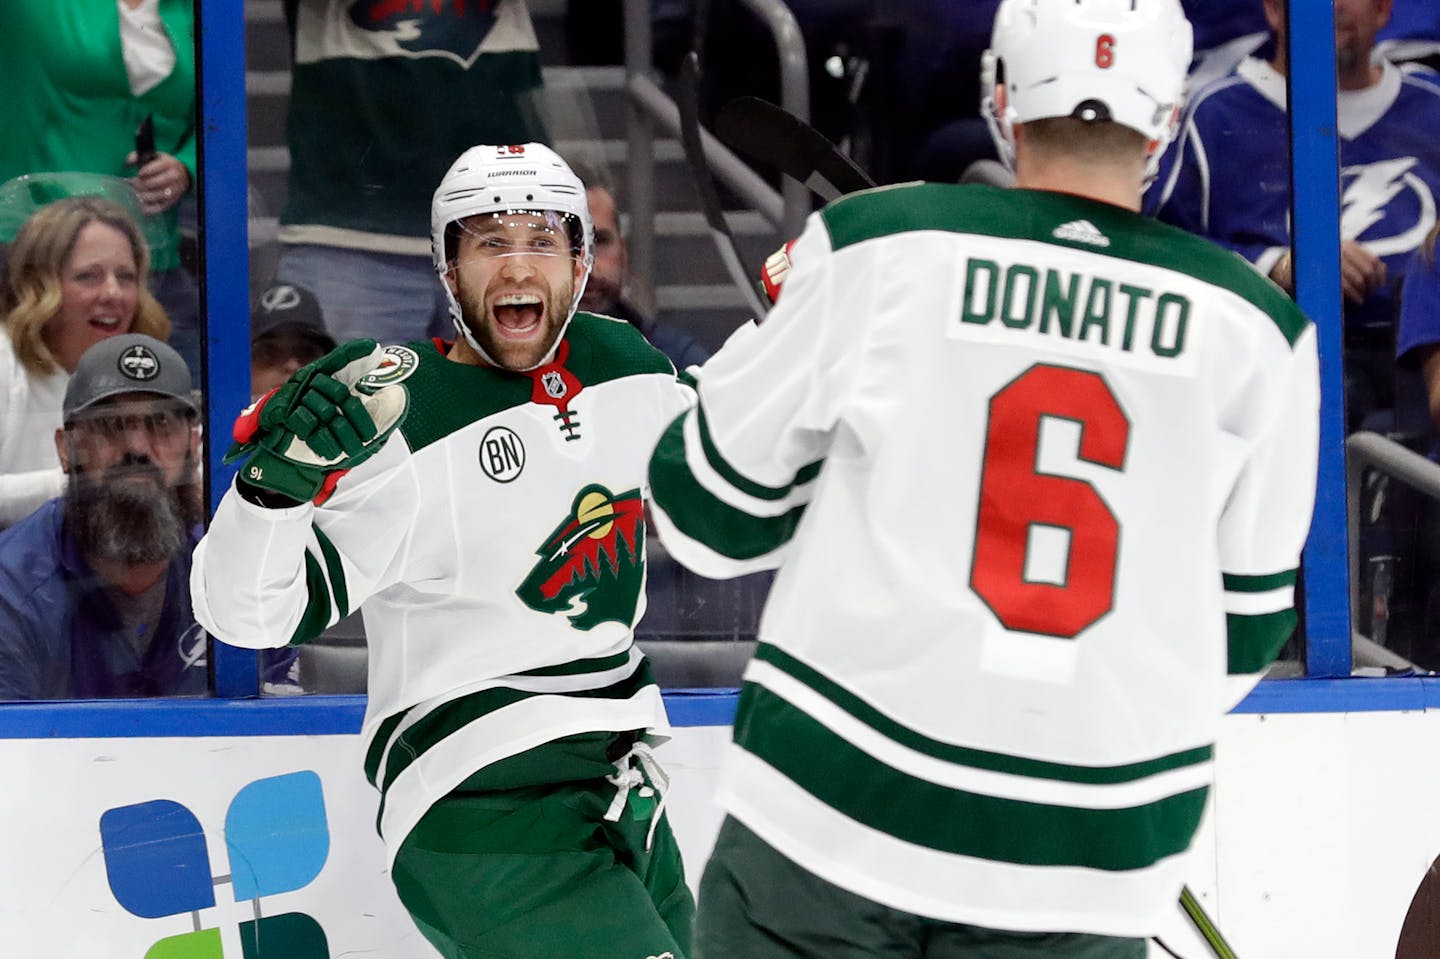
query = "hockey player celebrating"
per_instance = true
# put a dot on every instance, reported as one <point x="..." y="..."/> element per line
<point x="1022" y="458"/>
<point x="482" y="500"/>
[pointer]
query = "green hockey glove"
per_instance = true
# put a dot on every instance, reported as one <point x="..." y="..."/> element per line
<point x="298" y="439"/>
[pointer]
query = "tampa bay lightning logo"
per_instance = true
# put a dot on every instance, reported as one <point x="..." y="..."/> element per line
<point x="448" y="27"/>
<point x="1387" y="205"/>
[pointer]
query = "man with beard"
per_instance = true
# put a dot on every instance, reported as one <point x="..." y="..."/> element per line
<point x="604" y="293"/>
<point x="92" y="585"/>
<point x="1229" y="180"/>
<point x="480" y="502"/>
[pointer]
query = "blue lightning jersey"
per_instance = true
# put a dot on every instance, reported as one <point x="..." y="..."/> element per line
<point x="1219" y="21"/>
<point x="1228" y="177"/>
<point x="1420" y="309"/>
<point x="1412" y="20"/>
<point x="1412" y="32"/>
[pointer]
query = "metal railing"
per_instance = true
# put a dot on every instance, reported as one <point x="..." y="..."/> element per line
<point x="1366" y="450"/>
<point x="649" y="104"/>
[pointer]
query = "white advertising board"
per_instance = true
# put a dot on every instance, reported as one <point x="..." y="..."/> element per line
<point x="178" y="848"/>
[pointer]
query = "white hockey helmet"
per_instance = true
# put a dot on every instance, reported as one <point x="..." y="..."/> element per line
<point x="1119" y="60"/>
<point x="511" y="177"/>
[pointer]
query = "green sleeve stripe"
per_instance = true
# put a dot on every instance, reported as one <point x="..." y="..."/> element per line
<point x="957" y="821"/>
<point x="317" y="611"/>
<point x="1237" y="583"/>
<point x="704" y="517"/>
<point x="336" y="570"/>
<point x="1255" y="641"/>
<point x="974" y="758"/>
<point x="734" y="478"/>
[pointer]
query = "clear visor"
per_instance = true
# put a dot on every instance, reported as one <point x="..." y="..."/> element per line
<point x="513" y="233"/>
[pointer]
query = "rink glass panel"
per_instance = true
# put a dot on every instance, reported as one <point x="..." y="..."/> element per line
<point x="236" y="260"/>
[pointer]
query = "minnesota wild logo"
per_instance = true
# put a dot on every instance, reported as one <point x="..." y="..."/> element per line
<point x="590" y="566"/>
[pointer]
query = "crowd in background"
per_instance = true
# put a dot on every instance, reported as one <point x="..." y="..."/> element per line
<point x="98" y="180"/>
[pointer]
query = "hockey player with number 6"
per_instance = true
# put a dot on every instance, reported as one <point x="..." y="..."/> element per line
<point x="480" y="502"/>
<point x="1036" y="472"/>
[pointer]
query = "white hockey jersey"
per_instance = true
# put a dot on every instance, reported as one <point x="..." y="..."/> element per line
<point x="1021" y="458"/>
<point x="496" y="543"/>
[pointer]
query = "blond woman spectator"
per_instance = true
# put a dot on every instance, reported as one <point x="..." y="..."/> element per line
<point x="76" y="274"/>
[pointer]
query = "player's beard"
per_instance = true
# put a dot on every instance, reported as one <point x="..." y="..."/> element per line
<point x="131" y="523"/>
<point x="510" y="355"/>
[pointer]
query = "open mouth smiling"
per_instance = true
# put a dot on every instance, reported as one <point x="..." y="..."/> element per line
<point x="518" y="315"/>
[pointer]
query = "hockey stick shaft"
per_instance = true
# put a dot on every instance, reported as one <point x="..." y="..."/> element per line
<point x="1205" y="925"/>
<point x="692" y="141"/>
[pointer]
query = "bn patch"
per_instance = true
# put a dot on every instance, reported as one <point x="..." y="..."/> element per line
<point x="502" y="455"/>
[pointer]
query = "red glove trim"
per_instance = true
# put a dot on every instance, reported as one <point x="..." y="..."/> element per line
<point x="248" y="422"/>
<point x="327" y="488"/>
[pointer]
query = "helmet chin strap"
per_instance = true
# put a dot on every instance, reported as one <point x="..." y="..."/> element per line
<point x="1002" y="130"/>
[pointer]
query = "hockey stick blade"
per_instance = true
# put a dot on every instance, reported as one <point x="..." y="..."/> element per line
<point x="691" y="140"/>
<point x="771" y="134"/>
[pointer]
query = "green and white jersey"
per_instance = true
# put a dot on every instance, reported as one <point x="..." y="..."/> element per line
<point x="383" y="97"/>
<point x="496" y="543"/>
<point x="1024" y="461"/>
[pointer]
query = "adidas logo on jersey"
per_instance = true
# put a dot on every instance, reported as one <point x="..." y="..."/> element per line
<point x="1080" y="231"/>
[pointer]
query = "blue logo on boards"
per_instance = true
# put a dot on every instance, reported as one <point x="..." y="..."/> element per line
<point x="277" y="840"/>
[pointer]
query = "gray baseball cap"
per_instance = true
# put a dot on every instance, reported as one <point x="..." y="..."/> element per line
<point x="128" y="363"/>
<point x="286" y="306"/>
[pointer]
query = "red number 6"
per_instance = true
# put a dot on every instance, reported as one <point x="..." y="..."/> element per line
<point x="1105" y="51"/>
<point x="1015" y="495"/>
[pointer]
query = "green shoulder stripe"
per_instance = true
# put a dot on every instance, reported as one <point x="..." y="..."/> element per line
<point x="1035" y="214"/>
<point x="446" y="396"/>
<point x="604" y="348"/>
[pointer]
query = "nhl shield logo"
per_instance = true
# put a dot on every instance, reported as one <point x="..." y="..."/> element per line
<point x="554" y="384"/>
